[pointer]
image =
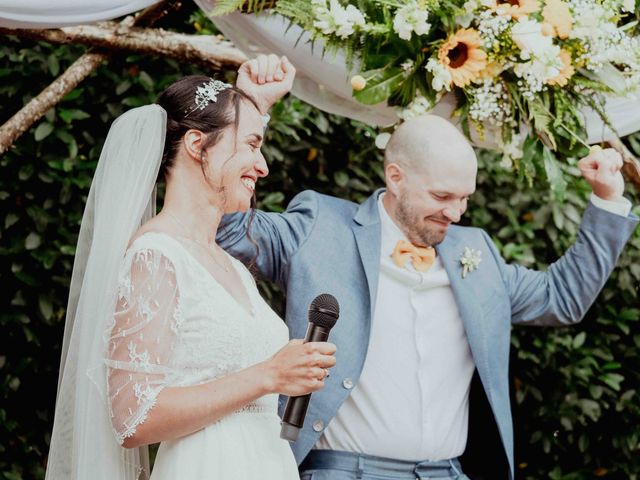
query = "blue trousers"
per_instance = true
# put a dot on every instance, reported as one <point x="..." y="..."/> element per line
<point x="337" y="465"/>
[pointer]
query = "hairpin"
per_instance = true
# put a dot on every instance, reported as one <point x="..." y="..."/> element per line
<point x="207" y="93"/>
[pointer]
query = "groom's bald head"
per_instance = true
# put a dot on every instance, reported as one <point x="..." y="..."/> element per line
<point x="430" y="171"/>
<point x="428" y="142"/>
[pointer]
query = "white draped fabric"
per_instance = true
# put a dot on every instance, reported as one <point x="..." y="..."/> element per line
<point x="61" y="13"/>
<point x="322" y="81"/>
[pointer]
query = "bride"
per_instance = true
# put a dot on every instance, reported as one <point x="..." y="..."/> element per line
<point x="167" y="338"/>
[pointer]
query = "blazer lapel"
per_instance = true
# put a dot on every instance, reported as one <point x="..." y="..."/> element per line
<point x="366" y="229"/>
<point x="467" y="293"/>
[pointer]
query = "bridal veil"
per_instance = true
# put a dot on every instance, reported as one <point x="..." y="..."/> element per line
<point x="121" y="198"/>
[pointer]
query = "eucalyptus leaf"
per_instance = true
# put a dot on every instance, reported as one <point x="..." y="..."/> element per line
<point x="380" y="85"/>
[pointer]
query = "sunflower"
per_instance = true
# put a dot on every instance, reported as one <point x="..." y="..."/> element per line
<point x="558" y="15"/>
<point x="566" y="73"/>
<point x="462" y="56"/>
<point x="515" y="8"/>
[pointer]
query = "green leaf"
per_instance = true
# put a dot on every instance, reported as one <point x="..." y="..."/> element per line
<point x="73" y="95"/>
<point x="554" y="174"/>
<point x="42" y="131"/>
<point x="596" y="391"/>
<point x="46" y="308"/>
<point x="541" y="122"/>
<point x="273" y="202"/>
<point x="32" y="241"/>
<point x="9" y="220"/>
<point x="123" y="87"/>
<point x="380" y="85"/>
<point x="578" y="340"/>
<point x="590" y="408"/>
<point x="74" y="114"/>
<point x="613" y="380"/>
<point x="341" y="178"/>
<point x="53" y="64"/>
<point x="224" y="7"/>
<point x="146" y="80"/>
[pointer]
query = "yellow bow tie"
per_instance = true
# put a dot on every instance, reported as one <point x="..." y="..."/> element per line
<point x="421" y="257"/>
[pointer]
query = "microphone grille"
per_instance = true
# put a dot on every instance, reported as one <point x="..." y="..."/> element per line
<point x="324" y="311"/>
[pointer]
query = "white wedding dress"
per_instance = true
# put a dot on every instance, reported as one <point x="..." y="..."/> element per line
<point x="176" y="326"/>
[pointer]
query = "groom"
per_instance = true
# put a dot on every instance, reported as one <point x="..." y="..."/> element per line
<point x="424" y="303"/>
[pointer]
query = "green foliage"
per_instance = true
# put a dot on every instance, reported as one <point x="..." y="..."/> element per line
<point x="576" y="389"/>
<point x="224" y="7"/>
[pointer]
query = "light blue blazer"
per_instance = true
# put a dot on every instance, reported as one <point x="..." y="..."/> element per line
<point x="322" y="244"/>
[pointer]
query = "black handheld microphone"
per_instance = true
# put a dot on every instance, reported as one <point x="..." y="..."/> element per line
<point x="323" y="314"/>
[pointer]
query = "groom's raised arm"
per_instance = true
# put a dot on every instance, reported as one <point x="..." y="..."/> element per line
<point x="563" y="294"/>
<point x="277" y="236"/>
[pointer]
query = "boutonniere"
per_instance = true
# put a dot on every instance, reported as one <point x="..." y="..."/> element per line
<point x="470" y="259"/>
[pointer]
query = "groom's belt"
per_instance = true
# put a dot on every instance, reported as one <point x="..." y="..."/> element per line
<point x="368" y="464"/>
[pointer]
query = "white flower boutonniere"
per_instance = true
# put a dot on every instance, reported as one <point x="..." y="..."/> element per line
<point x="470" y="259"/>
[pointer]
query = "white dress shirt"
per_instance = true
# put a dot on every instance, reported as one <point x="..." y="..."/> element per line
<point x="411" y="402"/>
<point x="412" y="399"/>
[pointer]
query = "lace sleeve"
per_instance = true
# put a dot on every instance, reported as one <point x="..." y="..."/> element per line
<point x="146" y="321"/>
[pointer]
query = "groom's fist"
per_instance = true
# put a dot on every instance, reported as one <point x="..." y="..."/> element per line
<point x="601" y="168"/>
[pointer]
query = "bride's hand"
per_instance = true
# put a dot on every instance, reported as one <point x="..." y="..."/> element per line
<point x="299" y="368"/>
<point x="266" y="79"/>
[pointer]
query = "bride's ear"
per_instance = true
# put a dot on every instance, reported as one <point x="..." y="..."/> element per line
<point x="193" y="140"/>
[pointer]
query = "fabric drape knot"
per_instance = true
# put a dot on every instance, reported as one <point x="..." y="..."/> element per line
<point x="421" y="257"/>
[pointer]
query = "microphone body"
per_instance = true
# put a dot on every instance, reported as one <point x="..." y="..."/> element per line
<point x="323" y="314"/>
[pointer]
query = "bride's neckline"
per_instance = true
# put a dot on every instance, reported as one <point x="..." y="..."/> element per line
<point x="192" y="258"/>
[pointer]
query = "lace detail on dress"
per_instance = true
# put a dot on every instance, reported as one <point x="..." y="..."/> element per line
<point x="174" y="325"/>
<point x="143" y="338"/>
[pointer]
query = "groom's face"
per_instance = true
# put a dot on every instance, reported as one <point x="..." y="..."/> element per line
<point x="429" y="200"/>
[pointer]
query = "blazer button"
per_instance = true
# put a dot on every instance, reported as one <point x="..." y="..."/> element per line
<point x="347" y="383"/>
<point x="318" y="425"/>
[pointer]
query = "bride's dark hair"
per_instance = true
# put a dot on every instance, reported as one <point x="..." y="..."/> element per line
<point x="178" y="100"/>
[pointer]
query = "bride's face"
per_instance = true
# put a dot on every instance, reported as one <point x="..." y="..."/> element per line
<point x="235" y="163"/>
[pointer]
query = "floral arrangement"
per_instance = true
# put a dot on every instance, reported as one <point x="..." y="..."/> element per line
<point x="520" y="70"/>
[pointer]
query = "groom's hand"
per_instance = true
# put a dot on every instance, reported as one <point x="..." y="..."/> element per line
<point x="601" y="168"/>
<point x="266" y="78"/>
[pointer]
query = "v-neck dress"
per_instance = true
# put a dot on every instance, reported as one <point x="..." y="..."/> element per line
<point x="175" y="325"/>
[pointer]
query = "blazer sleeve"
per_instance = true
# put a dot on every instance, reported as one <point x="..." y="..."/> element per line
<point x="273" y="237"/>
<point x="563" y="294"/>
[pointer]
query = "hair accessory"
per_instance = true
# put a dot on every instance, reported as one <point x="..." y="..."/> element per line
<point x="207" y="93"/>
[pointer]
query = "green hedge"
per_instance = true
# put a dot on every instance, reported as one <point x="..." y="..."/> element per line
<point x="577" y="411"/>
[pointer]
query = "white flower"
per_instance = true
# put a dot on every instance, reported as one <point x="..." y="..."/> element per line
<point x="407" y="65"/>
<point x="470" y="259"/>
<point x="337" y="19"/>
<point x="441" y="76"/>
<point x="469" y="14"/>
<point x="629" y="5"/>
<point x="527" y="35"/>
<point x="511" y="151"/>
<point x="489" y="103"/>
<point x="419" y="106"/>
<point x="411" y="18"/>
<point x="382" y="139"/>
<point x="544" y="66"/>
<point x="590" y="19"/>
<point x="490" y="27"/>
